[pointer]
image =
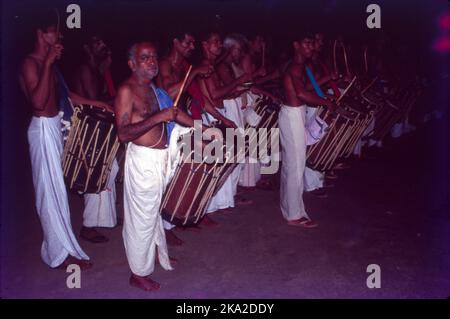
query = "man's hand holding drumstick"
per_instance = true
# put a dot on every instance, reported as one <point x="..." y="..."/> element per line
<point x="175" y="104"/>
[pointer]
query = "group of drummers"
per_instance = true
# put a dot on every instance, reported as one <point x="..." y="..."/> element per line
<point x="233" y="79"/>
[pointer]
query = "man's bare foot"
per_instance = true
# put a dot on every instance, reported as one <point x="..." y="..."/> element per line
<point x="90" y="234"/>
<point x="243" y="201"/>
<point x="208" y="222"/>
<point x="303" y="222"/>
<point x="144" y="283"/>
<point x="83" y="264"/>
<point x="331" y="175"/>
<point x="171" y="239"/>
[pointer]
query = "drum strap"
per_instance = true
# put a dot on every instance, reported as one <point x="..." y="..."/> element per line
<point x="314" y="83"/>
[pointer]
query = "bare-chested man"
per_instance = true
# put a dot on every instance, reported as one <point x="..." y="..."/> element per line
<point x="141" y="123"/>
<point x="90" y="80"/>
<point x="214" y="92"/>
<point x="173" y="69"/>
<point x="319" y="79"/>
<point x="39" y="81"/>
<point x="292" y="134"/>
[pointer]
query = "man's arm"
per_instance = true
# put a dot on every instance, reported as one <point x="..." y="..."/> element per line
<point x="171" y="87"/>
<point x="223" y="91"/>
<point x="87" y="83"/>
<point x="306" y="96"/>
<point x="77" y="99"/>
<point x="127" y="131"/>
<point x="209" y="107"/>
<point x="36" y="86"/>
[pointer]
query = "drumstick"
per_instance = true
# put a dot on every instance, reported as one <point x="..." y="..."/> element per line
<point x="345" y="58"/>
<point x="334" y="56"/>
<point x="182" y="87"/>
<point x="57" y="22"/>
<point x="346" y="90"/>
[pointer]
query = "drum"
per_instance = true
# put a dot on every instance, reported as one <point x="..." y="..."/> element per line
<point x="322" y="155"/>
<point x="90" y="149"/>
<point x="194" y="183"/>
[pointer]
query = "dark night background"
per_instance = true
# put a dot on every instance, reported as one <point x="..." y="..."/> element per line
<point x="409" y="24"/>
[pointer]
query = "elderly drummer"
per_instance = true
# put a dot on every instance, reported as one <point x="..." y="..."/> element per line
<point x="142" y="113"/>
<point x="291" y="122"/>
<point x="41" y="84"/>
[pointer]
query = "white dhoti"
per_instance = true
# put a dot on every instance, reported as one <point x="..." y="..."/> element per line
<point x="251" y="170"/>
<point x="291" y="122"/>
<point x="45" y="140"/>
<point x="247" y="173"/>
<point x="146" y="171"/>
<point x="312" y="179"/>
<point x="224" y="197"/>
<point x="100" y="209"/>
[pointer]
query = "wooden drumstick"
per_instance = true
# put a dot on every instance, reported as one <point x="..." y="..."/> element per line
<point x="58" y="19"/>
<point x="346" y="90"/>
<point x="345" y="58"/>
<point x="334" y="56"/>
<point x="182" y="87"/>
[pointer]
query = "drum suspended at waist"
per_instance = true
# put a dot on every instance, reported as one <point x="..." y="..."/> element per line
<point x="90" y="149"/>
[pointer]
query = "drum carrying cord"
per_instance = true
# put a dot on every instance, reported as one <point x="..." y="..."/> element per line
<point x="160" y="137"/>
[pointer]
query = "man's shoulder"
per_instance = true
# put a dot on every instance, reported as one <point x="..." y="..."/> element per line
<point x="29" y="62"/>
<point x="126" y="87"/>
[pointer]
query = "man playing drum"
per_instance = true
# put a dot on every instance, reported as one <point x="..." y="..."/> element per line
<point x="173" y="69"/>
<point x="291" y="122"/>
<point x="214" y="92"/>
<point x="90" y="80"/>
<point x="140" y="122"/>
<point x="39" y="81"/>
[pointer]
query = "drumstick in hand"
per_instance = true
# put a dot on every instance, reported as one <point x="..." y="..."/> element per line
<point x="182" y="87"/>
<point x="346" y="90"/>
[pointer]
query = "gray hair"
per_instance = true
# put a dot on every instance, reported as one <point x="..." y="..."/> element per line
<point x="235" y="39"/>
<point x="132" y="51"/>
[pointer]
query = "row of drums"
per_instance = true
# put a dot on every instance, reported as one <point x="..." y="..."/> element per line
<point x="92" y="146"/>
<point x="365" y="111"/>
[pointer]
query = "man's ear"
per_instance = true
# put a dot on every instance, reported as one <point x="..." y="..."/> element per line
<point x="132" y="65"/>
<point x="296" y="45"/>
<point x="175" y="42"/>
